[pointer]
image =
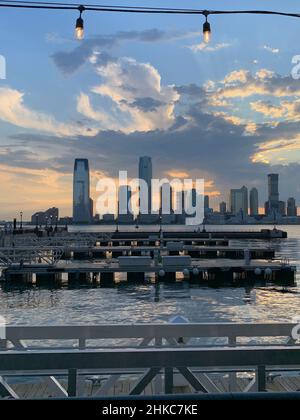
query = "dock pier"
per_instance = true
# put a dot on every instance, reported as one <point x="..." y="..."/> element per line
<point x="101" y="259"/>
<point x="203" y="272"/>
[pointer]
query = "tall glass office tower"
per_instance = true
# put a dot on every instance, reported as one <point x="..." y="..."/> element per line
<point x="82" y="212"/>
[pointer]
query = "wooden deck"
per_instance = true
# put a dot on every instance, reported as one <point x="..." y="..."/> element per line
<point x="42" y="389"/>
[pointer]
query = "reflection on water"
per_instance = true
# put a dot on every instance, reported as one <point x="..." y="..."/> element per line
<point x="158" y="302"/>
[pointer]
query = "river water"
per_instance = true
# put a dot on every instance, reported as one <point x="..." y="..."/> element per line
<point x="157" y="303"/>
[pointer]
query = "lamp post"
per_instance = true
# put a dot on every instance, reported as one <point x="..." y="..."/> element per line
<point x="21" y="217"/>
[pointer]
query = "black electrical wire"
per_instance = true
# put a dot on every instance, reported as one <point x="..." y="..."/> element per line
<point x="132" y="9"/>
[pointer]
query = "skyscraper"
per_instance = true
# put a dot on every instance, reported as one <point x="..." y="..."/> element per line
<point x="145" y="173"/>
<point x="222" y="207"/>
<point x="206" y="201"/>
<point x="273" y="206"/>
<point x="273" y="190"/>
<point x="291" y="207"/>
<point x="82" y="204"/>
<point x="239" y="200"/>
<point x="253" y="202"/>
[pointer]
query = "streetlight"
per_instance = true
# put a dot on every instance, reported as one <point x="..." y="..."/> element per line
<point x="21" y="216"/>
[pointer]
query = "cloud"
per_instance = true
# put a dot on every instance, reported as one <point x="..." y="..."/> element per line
<point x="270" y="49"/>
<point x="14" y="111"/>
<point x="204" y="47"/>
<point x="264" y="82"/>
<point x="267" y="108"/>
<point x="70" y="61"/>
<point x="199" y="131"/>
<point x="175" y="173"/>
<point x="138" y="101"/>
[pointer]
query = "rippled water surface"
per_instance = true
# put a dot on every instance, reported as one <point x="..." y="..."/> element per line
<point x="157" y="303"/>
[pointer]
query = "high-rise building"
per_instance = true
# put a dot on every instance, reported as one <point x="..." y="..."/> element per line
<point x="291" y="207"/>
<point x="166" y="199"/>
<point x="206" y="201"/>
<point x="145" y="173"/>
<point x="253" y="202"/>
<point x="273" y="206"/>
<point x="273" y="189"/>
<point x="239" y="201"/>
<point x="82" y="203"/>
<point x="222" y="207"/>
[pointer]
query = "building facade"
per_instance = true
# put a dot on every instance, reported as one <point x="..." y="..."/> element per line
<point x="291" y="207"/>
<point x="239" y="201"/>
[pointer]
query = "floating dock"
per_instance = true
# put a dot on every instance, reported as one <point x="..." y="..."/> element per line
<point x="136" y="270"/>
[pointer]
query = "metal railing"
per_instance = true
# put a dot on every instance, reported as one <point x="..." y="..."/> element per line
<point x="151" y="352"/>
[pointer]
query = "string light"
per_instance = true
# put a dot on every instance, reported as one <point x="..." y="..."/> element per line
<point x="79" y="31"/>
<point x="79" y="28"/>
<point x="206" y="29"/>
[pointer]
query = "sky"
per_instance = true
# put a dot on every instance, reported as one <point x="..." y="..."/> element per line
<point x="139" y="85"/>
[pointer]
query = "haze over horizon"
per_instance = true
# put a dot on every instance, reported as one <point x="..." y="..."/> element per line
<point x="227" y="111"/>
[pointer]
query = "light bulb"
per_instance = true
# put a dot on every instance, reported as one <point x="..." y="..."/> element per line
<point x="206" y="32"/>
<point x="79" y="32"/>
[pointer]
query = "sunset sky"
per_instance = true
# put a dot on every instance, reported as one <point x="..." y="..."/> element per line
<point x="147" y="85"/>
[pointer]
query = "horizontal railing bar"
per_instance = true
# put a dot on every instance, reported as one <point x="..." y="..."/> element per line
<point x="66" y="348"/>
<point x="138" y="371"/>
<point x="144" y="358"/>
<point x="148" y="330"/>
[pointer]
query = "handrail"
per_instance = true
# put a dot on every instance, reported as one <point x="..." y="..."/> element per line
<point x="148" y="330"/>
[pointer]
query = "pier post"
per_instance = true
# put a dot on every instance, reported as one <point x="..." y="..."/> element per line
<point x="99" y="255"/>
<point x="107" y="279"/>
<point x="79" y="255"/>
<point x="136" y="277"/>
<point x="169" y="277"/>
<point x="116" y="254"/>
<point x="77" y="277"/>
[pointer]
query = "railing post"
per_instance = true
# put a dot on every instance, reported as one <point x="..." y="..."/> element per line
<point x="232" y="375"/>
<point x="261" y="378"/>
<point x="3" y="344"/>
<point x="158" y="378"/>
<point x="169" y="380"/>
<point x="81" y="343"/>
<point x="72" y="382"/>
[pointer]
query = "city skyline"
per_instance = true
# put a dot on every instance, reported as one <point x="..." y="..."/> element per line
<point x="241" y="201"/>
<point x="226" y="111"/>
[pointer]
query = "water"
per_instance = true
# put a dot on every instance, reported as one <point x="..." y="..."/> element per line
<point x="157" y="303"/>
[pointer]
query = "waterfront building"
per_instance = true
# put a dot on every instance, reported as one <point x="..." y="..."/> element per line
<point x="48" y="217"/>
<point x="223" y="207"/>
<point x="239" y="201"/>
<point x="82" y="203"/>
<point x="291" y="207"/>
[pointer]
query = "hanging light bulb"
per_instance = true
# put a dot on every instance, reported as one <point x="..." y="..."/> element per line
<point x="206" y="29"/>
<point x="79" y="32"/>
